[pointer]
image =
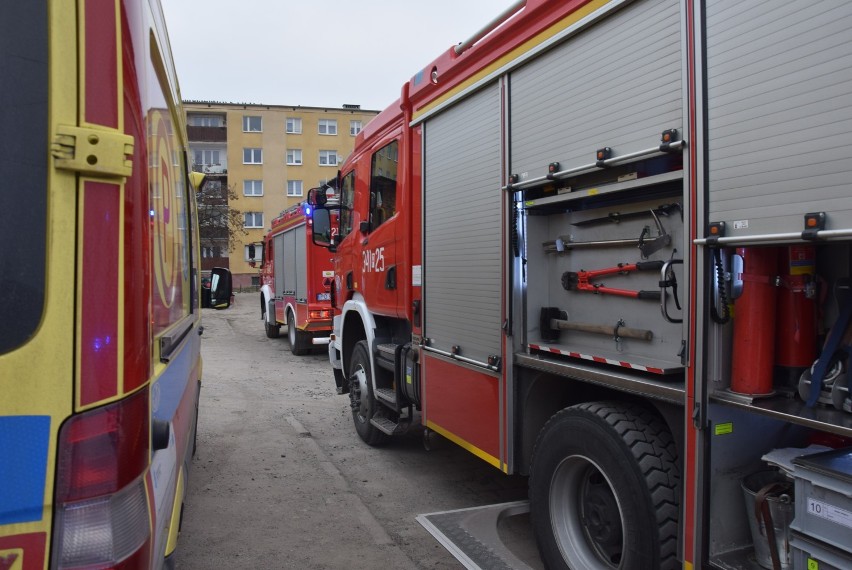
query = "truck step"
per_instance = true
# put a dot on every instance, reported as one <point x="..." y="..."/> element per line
<point x="387" y="350"/>
<point x="386" y="394"/>
<point x="389" y="426"/>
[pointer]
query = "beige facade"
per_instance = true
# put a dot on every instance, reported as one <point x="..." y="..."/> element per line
<point x="273" y="155"/>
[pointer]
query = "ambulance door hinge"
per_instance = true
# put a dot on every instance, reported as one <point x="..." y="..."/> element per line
<point x="98" y="152"/>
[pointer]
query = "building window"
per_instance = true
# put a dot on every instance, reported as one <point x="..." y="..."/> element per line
<point x="252" y="156"/>
<point x="294" y="156"/>
<point x="208" y="252"/>
<point x="254" y="219"/>
<point x="354" y="127"/>
<point x="294" y="187"/>
<point x="207" y="157"/>
<point x="206" y="120"/>
<point x="258" y="254"/>
<point x="252" y="187"/>
<point x="328" y="126"/>
<point x="252" y="124"/>
<point x="294" y="126"/>
<point x="328" y="158"/>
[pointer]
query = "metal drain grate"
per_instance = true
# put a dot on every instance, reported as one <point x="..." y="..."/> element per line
<point x="471" y="536"/>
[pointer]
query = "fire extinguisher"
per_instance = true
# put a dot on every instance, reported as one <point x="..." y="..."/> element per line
<point x="754" y="321"/>
<point x="795" y="342"/>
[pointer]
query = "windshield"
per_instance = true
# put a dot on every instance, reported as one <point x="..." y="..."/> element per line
<point x="23" y="169"/>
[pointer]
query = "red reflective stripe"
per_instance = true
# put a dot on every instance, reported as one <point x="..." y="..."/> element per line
<point x="32" y="544"/>
<point x="99" y="326"/>
<point x="101" y="63"/>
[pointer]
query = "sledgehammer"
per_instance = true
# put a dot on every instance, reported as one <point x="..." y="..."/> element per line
<point x="553" y="321"/>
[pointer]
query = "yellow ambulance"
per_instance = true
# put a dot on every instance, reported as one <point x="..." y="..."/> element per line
<point x="100" y="365"/>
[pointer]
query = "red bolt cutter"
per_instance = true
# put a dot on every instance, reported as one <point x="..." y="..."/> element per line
<point x="582" y="280"/>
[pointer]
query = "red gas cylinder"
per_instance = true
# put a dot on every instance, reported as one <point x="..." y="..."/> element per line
<point x="795" y="342"/>
<point x="754" y="322"/>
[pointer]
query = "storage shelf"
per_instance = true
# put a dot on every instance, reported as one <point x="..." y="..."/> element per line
<point x="742" y="559"/>
<point x="793" y="411"/>
<point x="606" y="189"/>
<point x="667" y="388"/>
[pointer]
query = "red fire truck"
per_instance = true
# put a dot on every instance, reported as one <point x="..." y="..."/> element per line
<point x="100" y="347"/>
<point x="296" y="279"/>
<point x="607" y="244"/>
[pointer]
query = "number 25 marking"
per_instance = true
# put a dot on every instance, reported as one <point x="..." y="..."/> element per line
<point x="374" y="261"/>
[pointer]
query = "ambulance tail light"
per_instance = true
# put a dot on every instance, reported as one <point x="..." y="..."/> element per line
<point x="102" y="510"/>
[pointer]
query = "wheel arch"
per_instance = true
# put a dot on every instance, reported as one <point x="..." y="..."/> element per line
<point x="357" y="325"/>
<point x="266" y="295"/>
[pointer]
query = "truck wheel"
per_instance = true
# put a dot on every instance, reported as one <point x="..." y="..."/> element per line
<point x="272" y="330"/>
<point x="364" y="404"/>
<point x="605" y="489"/>
<point x="299" y="341"/>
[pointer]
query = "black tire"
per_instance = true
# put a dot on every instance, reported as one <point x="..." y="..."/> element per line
<point x="364" y="404"/>
<point x="605" y="489"/>
<point x="300" y="342"/>
<point x="272" y="331"/>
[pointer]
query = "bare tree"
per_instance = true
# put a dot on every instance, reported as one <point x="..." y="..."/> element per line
<point x="220" y="224"/>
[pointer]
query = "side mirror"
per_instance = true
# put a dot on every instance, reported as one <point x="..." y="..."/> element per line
<point x="220" y="288"/>
<point x="251" y="251"/>
<point x="321" y="197"/>
<point x="321" y="228"/>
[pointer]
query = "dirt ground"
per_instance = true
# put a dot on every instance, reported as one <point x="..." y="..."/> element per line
<point x="281" y="479"/>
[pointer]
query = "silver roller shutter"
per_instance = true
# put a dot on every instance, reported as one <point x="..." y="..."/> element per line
<point x="289" y="262"/>
<point x="278" y="261"/>
<point x="301" y="264"/>
<point x="616" y="84"/>
<point x="462" y="209"/>
<point x="779" y="87"/>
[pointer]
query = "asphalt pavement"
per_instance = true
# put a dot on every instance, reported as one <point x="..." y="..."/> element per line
<point x="281" y="479"/>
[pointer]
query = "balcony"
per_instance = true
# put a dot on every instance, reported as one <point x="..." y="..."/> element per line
<point x="207" y="134"/>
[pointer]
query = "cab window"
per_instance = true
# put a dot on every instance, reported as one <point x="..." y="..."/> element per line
<point x="383" y="173"/>
<point x="347" y="201"/>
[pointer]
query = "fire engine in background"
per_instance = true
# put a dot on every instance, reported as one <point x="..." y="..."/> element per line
<point x="296" y="278"/>
<point x="100" y="365"/>
<point x="538" y="247"/>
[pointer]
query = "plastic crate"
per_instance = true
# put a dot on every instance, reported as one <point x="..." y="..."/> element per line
<point x="824" y="497"/>
<point x="810" y="554"/>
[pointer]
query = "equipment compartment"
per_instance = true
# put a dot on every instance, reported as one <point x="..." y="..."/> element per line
<point x="594" y="283"/>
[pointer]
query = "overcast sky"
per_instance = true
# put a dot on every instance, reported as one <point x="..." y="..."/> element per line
<point x="315" y="53"/>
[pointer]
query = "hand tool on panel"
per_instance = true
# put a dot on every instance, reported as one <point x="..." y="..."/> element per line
<point x="646" y="244"/>
<point x="553" y="320"/>
<point x="618" y="217"/>
<point x="582" y="280"/>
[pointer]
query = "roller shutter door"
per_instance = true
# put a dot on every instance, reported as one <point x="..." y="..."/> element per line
<point x="615" y="84"/>
<point x="779" y="91"/>
<point x="462" y="209"/>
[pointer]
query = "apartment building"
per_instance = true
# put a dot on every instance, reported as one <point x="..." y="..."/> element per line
<point x="270" y="156"/>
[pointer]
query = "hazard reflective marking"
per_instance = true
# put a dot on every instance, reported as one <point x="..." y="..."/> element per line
<point x="600" y="359"/>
